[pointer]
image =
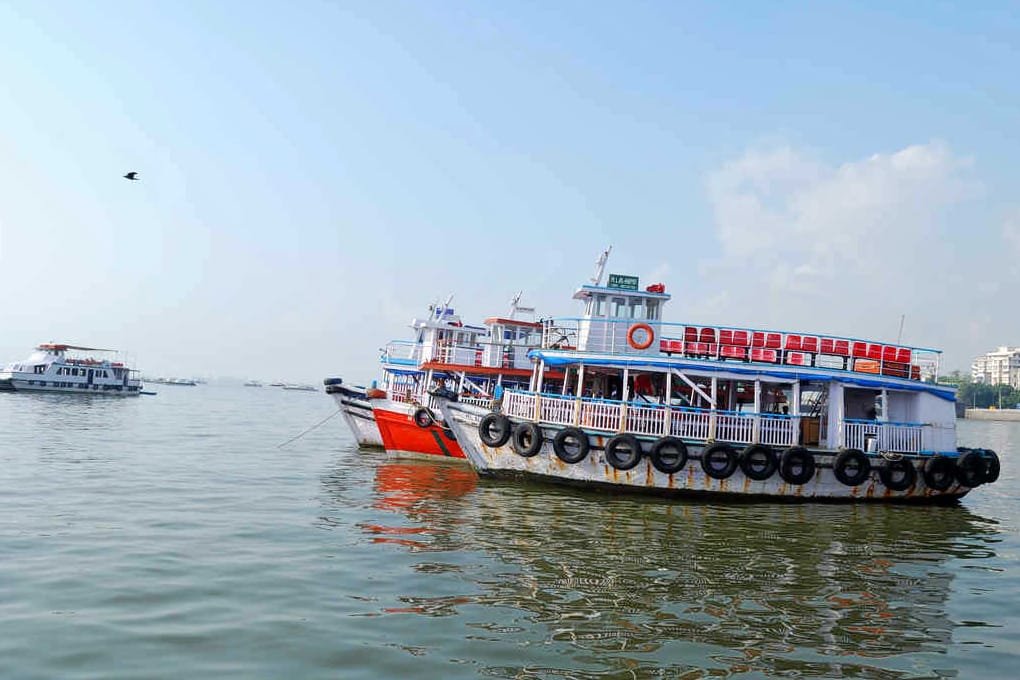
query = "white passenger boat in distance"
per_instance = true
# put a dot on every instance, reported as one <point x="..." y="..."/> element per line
<point x="722" y="411"/>
<point x="55" y="367"/>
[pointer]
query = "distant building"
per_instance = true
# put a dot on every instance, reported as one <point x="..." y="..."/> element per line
<point x="1001" y="367"/>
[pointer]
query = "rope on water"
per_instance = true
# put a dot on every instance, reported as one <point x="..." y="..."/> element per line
<point x="318" y="424"/>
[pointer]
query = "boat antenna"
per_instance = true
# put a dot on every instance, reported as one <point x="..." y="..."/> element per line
<point x="515" y="307"/>
<point x="899" y="335"/>
<point x="513" y="303"/>
<point x="446" y="305"/>
<point x="600" y="266"/>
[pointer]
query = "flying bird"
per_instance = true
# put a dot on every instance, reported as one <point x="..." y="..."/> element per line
<point x="132" y="175"/>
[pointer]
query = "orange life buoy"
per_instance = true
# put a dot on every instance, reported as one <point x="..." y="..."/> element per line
<point x="640" y="327"/>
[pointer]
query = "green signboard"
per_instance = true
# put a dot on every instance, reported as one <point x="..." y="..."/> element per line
<point x="623" y="282"/>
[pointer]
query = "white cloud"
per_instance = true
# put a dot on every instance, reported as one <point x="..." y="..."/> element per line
<point x="842" y="248"/>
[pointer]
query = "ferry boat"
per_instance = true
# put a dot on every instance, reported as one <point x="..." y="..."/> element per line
<point x="695" y="409"/>
<point x="54" y="367"/>
<point x="472" y="360"/>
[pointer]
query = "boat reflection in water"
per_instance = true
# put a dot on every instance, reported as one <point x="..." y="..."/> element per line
<point x="593" y="584"/>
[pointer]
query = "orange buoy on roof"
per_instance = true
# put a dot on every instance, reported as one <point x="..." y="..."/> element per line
<point x="640" y="327"/>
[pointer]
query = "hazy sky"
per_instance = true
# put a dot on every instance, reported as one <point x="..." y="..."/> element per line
<point x="314" y="174"/>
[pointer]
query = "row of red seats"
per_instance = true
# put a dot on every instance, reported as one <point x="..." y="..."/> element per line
<point x="798" y="343"/>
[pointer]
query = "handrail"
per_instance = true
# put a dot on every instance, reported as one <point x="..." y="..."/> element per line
<point x="680" y="324"/>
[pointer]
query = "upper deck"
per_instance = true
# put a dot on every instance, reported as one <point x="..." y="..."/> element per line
<point x="628" y="321"/>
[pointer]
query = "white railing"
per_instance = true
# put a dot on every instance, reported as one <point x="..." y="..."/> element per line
<point x="689" y="423"/>
<point x="778" y="430"/>
<point x="556" y="409"/>
<point x="686" y="423"/>
<point x="645" y="419"/>
<point x="484" y="402"/>
<point x="896" y="437"/>
<point x="734" y="427"/>
<point x="601" y="415"/>
<point x="519" y="405"/>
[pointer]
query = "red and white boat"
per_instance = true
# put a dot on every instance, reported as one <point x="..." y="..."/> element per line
<point x="476" y="362"/>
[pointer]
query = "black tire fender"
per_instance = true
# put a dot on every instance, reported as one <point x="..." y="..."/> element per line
<point x="668" y="455"/>
<point x="758" y="462"/>
<point x="627" y="442"/>
<point x="797" y="465"/>
<point x="970" y="469"/>
<point x="423" y="417"/>
<point x="992" y="468"/>
<point x="852" y="458"/>
<point x="494" y="429"/>
<point x="527" y="439"/>
<point x="562" y="441"/>
<point x="939" y="472"/>
<point x="719" y="453"/>
<point x="907" y="478"/>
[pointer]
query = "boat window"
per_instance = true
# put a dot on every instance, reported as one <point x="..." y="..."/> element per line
<point x="637" y="310"/>
<point x="653" y="309"/>
<point x="600" y="305"/>
<point x="619" y="308"/>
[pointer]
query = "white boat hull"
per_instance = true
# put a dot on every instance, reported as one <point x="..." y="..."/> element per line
<point x="357" y="413"/>
<point x="594" y="471"/>
<point x="19" y="385"/>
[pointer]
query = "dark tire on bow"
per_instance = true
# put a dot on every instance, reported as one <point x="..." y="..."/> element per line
<point x="668" y="455"/>
<point x="494" y="429"/>
<point x="898" y="475"/>
<point x="527" y="439"/>
<point x="719" y="461"/>
<point x="758" y="462"/>
<point x="970" y="469"/>
<point x="623" y="451"/>
<point x="991" y="467"/>
<point x="797" y="465"/>
<point x="571" y="445"/>
<point x="939" y="472"/>
<point x="851" y="467"/>
<point x="424" y="417"/>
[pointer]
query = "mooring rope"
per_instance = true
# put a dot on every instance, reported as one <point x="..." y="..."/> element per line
<point x="318" y="424"/>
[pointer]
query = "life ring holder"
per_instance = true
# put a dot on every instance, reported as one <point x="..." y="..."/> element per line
<point x="640" y="327"/>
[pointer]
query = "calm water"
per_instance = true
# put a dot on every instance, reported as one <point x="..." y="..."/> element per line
<point x="169" y="537"/>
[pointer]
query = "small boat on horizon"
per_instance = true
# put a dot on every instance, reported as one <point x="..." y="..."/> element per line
<point x="71" y="369"/>
<point x="253" y="383"/>
<point x="301" y="387"/>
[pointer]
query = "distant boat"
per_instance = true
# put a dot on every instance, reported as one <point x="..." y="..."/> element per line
<point x="277" y="384"/>
<point x="52" y="369"/>
<point x="172" y="381"/>
<point x="302" y="388"/>
<point x="253" y="383"/>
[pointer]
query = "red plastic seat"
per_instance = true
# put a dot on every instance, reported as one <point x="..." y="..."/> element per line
<point x="733" y="352"/>
<point x="725" y="337"/>
<point x="842" y="348"/>
<point x="707" y="335"/>
<point x="875" y="352"/>
<point x="903" y="355"/>
<point x="696" y="348"/>
<point x="671" y="346"/>
<point x="809" y="344"/>
<point x="763" y="355"/>
<point x="895" y="368"/>
<point x="773" y="340"/>
<point x="796" y="359"/>
<point x="915" y="372"/>
<point x="741" y="338"/>
<point x="690" y="334"/>
<point x="758" y="339"/>
<point x="828" y="346"/>
<point x="860" y="349"/>
<point x="889" y="353"/>
<point x="792" y="342"/>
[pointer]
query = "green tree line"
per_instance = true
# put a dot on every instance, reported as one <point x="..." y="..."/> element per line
<point x="979" y="395"/>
